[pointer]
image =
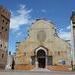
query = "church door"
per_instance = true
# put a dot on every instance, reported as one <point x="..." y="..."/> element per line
<point x="41" y="58"/>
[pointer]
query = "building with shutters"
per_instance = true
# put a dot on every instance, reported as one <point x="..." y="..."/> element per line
<point x="4" y="35"/>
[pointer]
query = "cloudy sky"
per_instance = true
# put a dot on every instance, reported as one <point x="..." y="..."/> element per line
<point x="24" y="12"/>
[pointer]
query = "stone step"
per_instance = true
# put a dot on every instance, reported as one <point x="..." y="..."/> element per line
<point x="59" y="68"/>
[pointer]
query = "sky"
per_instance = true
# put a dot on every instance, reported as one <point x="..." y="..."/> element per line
<point x="24" y="12"/>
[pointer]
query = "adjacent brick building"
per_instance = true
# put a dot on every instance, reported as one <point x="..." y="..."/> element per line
<point x="4" y="35"/>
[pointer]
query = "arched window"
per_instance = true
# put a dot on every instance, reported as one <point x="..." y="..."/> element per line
<point x="58" y="52"/>
<point x="2" y="55"/>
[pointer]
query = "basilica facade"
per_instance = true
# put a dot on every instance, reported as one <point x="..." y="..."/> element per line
<point x="42" y="48"/>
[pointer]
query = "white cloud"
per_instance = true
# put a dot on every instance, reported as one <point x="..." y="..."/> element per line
<point x="19" y="33"/>
<point x="43" y="10"/>
<point x="64" y="35"/>
<point x="69" y="27"/>
<point x="20" y="17"/>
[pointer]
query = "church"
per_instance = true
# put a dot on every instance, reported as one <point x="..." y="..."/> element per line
<point x="42" y="48"/>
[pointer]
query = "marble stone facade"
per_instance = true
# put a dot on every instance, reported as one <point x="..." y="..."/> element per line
<point x="42" y="48"/>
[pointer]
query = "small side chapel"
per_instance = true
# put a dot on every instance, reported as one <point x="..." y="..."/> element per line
<point x="42" y="48"/>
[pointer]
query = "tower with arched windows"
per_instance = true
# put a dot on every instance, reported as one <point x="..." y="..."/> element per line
<point x="4" y="35"/>
<point x="73" y="35"/>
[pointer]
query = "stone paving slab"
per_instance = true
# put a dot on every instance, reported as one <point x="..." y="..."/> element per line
<point x="35" y="73"/>
<point x="40" y="69"/>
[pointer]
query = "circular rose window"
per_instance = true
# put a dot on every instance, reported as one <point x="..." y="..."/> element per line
<point x="41" y="35"/>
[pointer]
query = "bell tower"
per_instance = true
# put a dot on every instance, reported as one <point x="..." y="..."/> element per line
<point x="4" y="35"/>
<point x="73" y="35"/>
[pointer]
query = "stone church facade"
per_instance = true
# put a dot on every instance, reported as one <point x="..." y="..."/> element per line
<point x="42" y="48"/>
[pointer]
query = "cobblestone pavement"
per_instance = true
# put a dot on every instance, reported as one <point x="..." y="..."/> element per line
<point x="35" y="73"/>
<point x="39" y="69"/>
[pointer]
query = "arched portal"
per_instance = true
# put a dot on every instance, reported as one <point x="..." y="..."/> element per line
<point x="41" y="58"/>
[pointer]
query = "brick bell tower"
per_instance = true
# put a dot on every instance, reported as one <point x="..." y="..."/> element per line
<point x="73" y="35"/>
<point x="4" y="35"/>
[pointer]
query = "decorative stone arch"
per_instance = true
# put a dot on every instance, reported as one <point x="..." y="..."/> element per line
<point x="41" y="47"/>
<point x="43" y="59"/>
